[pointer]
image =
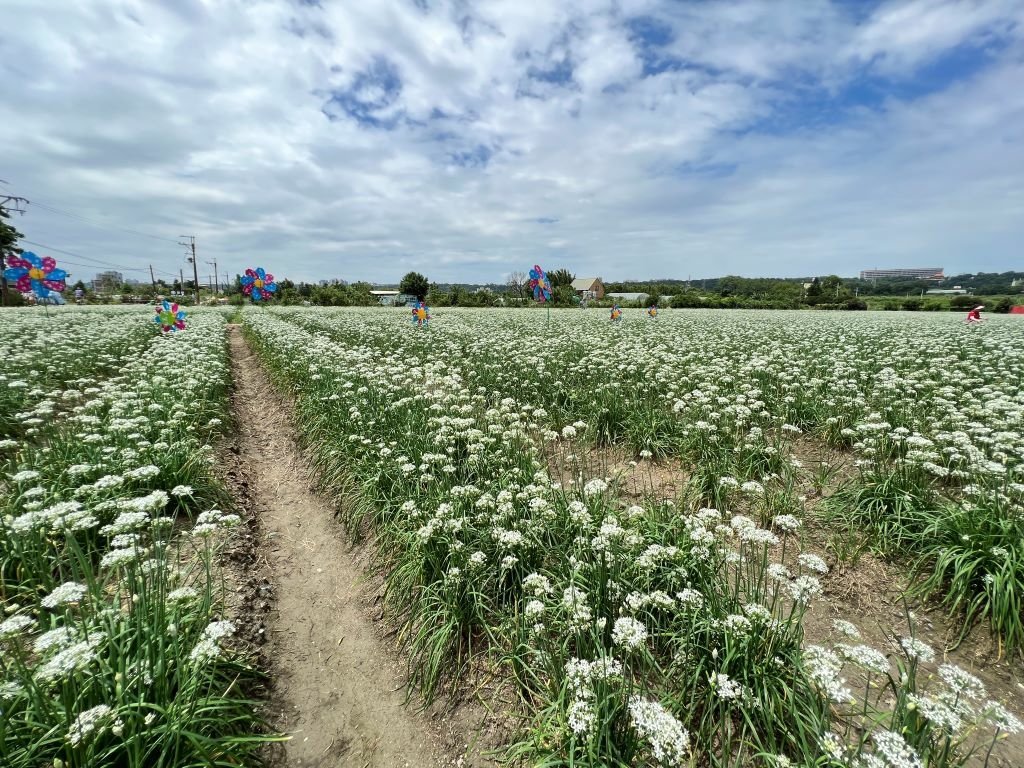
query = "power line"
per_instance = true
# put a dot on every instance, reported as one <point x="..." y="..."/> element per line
<point x="96" y="261"/>
<point x="90" y="222"/>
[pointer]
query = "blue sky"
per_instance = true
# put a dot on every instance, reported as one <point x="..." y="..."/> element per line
<point x="626" y="139"/>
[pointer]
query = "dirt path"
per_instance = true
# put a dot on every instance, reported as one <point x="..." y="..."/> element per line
<point x="337" y="689"/>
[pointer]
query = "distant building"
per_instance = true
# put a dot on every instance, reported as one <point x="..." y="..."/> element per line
<point x="588" y="287"/>
<point x="629" y="296"/>
<point x="108" y="281"/>
<point x="946" y="291"/>
<point x="913" y="273"/>
<point x="385" y="298"/>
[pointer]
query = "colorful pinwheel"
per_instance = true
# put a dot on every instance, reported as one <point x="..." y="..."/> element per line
<point x="540" y="284"/>
<point x="170" y="317"/>
<point x="38" y="275"/>
<point x="616" y="314"/>
<point x="652" y="311"/>
<point x="258" y="284"/>
<point x="420" y="314"/>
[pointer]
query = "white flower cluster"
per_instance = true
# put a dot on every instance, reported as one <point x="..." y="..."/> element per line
<point x="66" y="594"/>
<point x="93" y="721"/>
<point x="667" y="739"/>
<point x="209" y="646"/>
<point x="213" y="522"/>
<point x="628" y="633"/>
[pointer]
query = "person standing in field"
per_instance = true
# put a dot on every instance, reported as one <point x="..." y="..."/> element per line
<point x="974" y="316"/>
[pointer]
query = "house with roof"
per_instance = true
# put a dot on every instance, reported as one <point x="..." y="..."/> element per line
<point x="588" y="287"/>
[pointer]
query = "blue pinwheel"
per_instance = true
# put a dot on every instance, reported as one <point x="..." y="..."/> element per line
<point x="38" y="275"/>
<point x="258" y="284"/>
<point x="540" y="284"/>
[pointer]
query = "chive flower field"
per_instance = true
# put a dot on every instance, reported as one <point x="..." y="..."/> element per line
<point x="113" y="648"/>
<point x="629" y="526"/>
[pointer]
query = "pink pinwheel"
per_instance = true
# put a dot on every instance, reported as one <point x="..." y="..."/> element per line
<point x="38" y="275"/>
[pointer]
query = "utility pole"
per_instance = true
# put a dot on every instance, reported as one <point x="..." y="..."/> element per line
<point x="216" y="277"/>
<point x="181" y="281"/>
<point x="151" y="278"/>
<point x="195" y="267"/>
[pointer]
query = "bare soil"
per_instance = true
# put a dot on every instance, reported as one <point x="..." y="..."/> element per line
<point x="338" y="688"/>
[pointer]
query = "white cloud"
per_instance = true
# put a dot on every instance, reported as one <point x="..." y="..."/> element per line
<point x="902" y="35"/>
<point x="501" y="133"/>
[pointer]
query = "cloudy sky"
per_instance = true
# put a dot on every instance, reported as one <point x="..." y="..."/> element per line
<point x="466" y="139"/>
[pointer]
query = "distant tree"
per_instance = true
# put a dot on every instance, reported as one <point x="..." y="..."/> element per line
<point x="146" y="291"/>
<point x="730" y="285"/>
<point x="963" y="302"/>
<point x="516" y="283"/>
<point x="814" y="292"/>
<point x="561" y="277"/>
<point x="564" y="296"/>
<point x="360" y="294"/>
<point x="832" y="289"/>
<point x="9" y="237"/>
<point x="415" y="284"/>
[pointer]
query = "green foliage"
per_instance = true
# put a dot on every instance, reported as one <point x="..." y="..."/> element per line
<point x="9" y="235"/>
<point x="971" y="558"/>
<point x="415" y="284"/>
<point x="561" y="278"/>
<point x="964" y="302"/>
<point x="564" y="296"/>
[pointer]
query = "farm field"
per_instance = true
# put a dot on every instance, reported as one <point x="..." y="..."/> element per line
<point x="706" y="538"/>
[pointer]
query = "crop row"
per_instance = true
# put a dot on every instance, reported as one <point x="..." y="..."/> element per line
<point x="654" y="633"/>
<point x="932" y="410"/>
<point x="114" y="648"/>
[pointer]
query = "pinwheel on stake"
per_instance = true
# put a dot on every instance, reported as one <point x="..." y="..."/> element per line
<point x="541" y="287"/>
<point x="652" y="311"/>
<point x="420" y="314"/>
<point x="30" y="273"/>
<point x="169" y="316"/>
<point x="616" y="316"/>
<point x="540" y="284"/>
<point x="258" y="284"/>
